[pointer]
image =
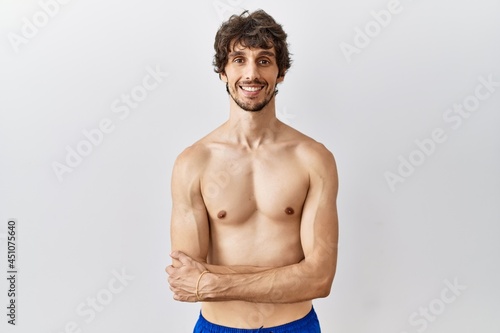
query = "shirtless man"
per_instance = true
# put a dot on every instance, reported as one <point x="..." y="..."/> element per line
<point x="254" y="225"/>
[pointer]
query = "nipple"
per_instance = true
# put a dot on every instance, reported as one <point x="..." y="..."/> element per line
<point x="289" y="210"/>
<point x="221" y="214"/>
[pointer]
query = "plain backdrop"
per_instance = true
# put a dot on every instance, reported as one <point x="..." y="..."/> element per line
<point x="417" y="253"/>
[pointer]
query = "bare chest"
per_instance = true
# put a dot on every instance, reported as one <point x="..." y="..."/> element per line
<point x="240" y="188"/>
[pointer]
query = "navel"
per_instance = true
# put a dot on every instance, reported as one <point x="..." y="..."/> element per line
<point x="289" y="210"/>
<point x="221" y="214"/>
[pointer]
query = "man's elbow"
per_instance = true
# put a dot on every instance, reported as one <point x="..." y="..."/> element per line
<point x="321" y="279"/>
<point x="325" y="285"/>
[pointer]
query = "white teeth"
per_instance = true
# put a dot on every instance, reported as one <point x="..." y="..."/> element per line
<point x="251" y="88"/>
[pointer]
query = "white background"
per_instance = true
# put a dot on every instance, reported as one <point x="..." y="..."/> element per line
<point x="111" y="213"/>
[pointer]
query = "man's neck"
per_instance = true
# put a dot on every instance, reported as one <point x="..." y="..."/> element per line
<point x="252" y="128"/>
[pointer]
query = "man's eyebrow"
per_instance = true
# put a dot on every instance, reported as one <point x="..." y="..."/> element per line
<point x="236" y="53"/>
<point x="266" y="53"/>
<point x="261" y="53"/>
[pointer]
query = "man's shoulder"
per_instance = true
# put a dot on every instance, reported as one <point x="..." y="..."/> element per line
<point x="192" y="160"/>
<point x="309" y="148"/>
<point x="195" y="154"/>
<point x="312" y="153"/>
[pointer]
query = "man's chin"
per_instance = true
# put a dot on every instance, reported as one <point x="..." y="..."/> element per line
<point x="253" y="107"/>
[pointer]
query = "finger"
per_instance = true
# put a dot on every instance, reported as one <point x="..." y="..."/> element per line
<point x="172" y="281"/>
<point x="183" y="258"/>
<point x="170" y="270"/>
<point x="183" y="299"/>
<point x="175" y="254"/>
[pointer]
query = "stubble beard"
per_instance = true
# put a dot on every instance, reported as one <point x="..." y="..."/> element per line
<point x="249" y="106"/>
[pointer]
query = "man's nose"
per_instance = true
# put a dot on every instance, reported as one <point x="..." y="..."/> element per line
<point x="251" y="71"/>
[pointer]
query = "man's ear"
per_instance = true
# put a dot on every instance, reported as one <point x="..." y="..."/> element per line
<point x="223" y="77"/>
<point x="280" y="78"/>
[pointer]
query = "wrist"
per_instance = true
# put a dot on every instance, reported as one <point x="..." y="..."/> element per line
<point x="197" y="289"/>
<point x="210" y="287"/>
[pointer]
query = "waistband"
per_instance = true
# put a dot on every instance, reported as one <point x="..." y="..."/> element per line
<point x="305" y="324"/>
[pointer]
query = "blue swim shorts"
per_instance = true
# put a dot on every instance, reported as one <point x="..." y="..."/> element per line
<point x="308" y="324"/>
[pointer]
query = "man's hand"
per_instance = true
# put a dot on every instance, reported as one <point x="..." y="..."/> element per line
<point x="184" y="276"/>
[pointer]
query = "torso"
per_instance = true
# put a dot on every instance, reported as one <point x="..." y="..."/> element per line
<point x="254" y="200"/>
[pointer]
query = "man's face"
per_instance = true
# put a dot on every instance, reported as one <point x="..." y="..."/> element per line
<point x="251" y="76"/>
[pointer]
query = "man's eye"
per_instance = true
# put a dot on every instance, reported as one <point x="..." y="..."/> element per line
<point x="238" y="60"/>
<point x="265" y="62"/>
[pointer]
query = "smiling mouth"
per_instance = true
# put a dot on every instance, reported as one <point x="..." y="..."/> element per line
<point x="251" y="89"/>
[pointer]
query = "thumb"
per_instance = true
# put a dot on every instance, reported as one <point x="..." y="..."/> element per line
<point x="181" y="256"/>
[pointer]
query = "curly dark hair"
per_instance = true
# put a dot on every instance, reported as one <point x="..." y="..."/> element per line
<point x="253" y="30"/>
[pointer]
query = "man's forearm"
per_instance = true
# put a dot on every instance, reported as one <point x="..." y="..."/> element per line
<point x="237" y="269"/>
<point x="288" y="284"/>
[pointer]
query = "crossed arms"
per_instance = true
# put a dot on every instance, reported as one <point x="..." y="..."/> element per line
<point x="308" y="279"/>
